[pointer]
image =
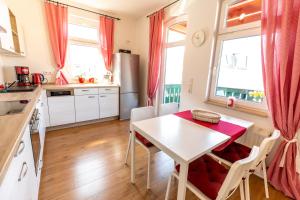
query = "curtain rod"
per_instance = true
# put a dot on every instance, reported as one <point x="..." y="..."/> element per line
<point x="165" y="7"/>
<point x="116" y="18"/>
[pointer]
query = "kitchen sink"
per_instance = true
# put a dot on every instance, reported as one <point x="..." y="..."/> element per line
<point x="12" y="107"/>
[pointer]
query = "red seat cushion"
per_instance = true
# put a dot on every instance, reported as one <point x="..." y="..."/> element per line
<point x="143" y="140"/>
<point x="233" y="152"/>
<point x="207" y="175"/>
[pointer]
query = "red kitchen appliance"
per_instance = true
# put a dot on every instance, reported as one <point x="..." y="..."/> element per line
<point x="22" y="75"/>
<point x="38" y="79"/>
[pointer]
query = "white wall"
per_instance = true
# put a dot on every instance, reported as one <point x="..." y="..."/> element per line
<point x="142" y="39"/>
<point x="39" y="55"/>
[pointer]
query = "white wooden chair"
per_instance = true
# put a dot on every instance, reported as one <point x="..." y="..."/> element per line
<point x="138" y="114"/>
<point x="208" y="179"/>
<point x="168" y="108"/>
<point x="238" y="151"/>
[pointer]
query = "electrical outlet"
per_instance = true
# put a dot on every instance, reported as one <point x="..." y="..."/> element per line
<point x="48" y="73"/>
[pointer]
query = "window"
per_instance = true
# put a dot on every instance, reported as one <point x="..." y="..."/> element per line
<point x="237" y="69"/>
<point x="85" y="61"/>
<point x="84" y="56"/>
<point x="173" y="61"/>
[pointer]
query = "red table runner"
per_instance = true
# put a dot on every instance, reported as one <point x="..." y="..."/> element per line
<point x="227" y="128"/>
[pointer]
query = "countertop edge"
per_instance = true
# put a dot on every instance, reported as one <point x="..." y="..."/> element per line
<point x="76" y="86"/>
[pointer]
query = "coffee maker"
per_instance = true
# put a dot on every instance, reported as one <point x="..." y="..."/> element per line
<point x="22" y="75"/>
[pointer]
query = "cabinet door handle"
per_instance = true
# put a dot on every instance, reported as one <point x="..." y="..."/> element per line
<point x="102" y="96"/>
<point x="107" y="89"/>
<point x="91" y="97"/>
<point x="20" y="148"/>
<point x="23" y="172"/>
<point x="84" y="90"/>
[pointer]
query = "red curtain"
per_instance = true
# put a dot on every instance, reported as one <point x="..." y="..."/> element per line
<point x="155" y="53"/>
<point x="57" y="20"/>
<point x="107" y="40"/>
<point x="281" y="72"/>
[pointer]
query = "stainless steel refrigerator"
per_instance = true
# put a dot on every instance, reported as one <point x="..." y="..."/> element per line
<point x="126" y="74"/>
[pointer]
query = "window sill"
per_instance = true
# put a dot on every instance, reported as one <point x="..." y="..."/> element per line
<point x="241" y="108"/>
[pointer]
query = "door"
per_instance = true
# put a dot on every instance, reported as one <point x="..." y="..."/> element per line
<point x="21" y="39"/>
<point x="109" y="105"/>
<point x="27" y="183"/>
<point x="20" y="180"/>
<point x="61" y="110"/>
<point x="127" y="70"/>
<point x="127" y="102"/>
<point x="87" y="107"/>
<point x="172" y="69"/>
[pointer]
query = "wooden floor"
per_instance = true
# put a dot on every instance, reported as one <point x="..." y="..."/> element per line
<point x="87" y="163"/>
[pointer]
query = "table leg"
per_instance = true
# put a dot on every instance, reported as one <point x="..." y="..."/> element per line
<point x="132" y="158"/>
<point x="182" y="181"/>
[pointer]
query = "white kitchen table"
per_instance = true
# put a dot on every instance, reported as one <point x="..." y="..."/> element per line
<point x="182" y="140"/>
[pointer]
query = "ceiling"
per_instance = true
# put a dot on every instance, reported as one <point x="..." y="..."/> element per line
<point x="134" y="8"/>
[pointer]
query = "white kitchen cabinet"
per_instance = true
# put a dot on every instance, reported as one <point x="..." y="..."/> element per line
<point x="12" y="41"/>
<point x="109" y="105"/>
<point x="61" y="110"/>
<point x="87" y="107"/>
<point x="4" y="22"/>
<point x="19" y="181"/>
<point x="6" y="39"/>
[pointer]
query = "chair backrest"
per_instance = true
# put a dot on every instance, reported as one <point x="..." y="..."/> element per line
<point x="266" y="147"/>
<point x="236" y="173"/>
<point x="138" y="114"/>
<point x="168" y="108"/>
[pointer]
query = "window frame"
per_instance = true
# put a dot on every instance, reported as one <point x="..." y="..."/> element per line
<point x="222" y="29"/>
<point x="223" y="34"/>
<point x="166" y="45"/>
<point x="81" y="40"/>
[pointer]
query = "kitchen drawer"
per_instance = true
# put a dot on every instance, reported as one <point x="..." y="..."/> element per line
<point x="110" y="90"/>
<point x="87" y="107"/>
<point x="85" y="91"/>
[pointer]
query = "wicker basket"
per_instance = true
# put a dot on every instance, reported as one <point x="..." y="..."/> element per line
<point x="206" y="116"/>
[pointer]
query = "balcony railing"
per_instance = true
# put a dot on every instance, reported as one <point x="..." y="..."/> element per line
<point x="241" y="94"/>
<point x="172" y="93"/>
